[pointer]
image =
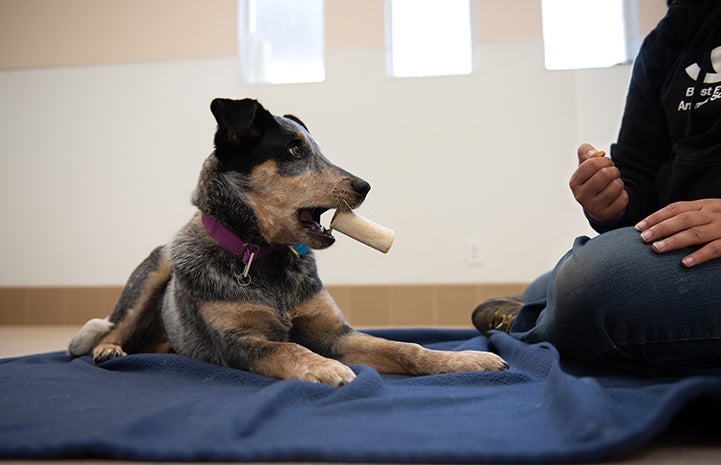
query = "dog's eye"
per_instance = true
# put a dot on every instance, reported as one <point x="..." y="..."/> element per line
<point x="295" y="151"/>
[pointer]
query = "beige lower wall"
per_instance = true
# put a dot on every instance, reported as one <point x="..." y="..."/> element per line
<point x="363" y="305"/>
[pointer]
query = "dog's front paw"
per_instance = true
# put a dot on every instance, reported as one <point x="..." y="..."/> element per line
<point x="104" y="352"/>
<point x="473" y="360"/>
<point x="439" y="361"/>
<point x="326" y="370"/>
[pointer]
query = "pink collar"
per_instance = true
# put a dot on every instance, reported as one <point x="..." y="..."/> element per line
<point x="233" y="243"/>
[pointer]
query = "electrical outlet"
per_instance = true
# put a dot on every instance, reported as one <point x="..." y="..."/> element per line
<point x="474" y="251"/>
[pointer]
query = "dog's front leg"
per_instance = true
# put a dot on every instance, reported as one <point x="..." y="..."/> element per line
<point x="253" y="337"/>
<point x="285" y="360"/>
<point x="407" y="358"/>
<point x="319" y="324"/>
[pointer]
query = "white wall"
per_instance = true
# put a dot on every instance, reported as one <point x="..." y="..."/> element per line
<point x="97" y="163"/>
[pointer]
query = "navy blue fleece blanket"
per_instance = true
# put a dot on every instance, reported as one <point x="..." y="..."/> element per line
<point x="173" y="408"/>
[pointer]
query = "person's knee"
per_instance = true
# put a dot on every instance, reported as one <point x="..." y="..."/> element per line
<point x="602" y="267"/>
<point x="592" y="292"/>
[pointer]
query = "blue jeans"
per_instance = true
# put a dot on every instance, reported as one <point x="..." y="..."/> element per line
<point x="612" y="301"/>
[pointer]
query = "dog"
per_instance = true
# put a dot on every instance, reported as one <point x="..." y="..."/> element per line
<point x="238" y="285"/>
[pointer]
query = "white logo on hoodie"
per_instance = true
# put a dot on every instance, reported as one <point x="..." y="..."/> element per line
<point x="710" y="78"/>
<point x="708" y="93"/>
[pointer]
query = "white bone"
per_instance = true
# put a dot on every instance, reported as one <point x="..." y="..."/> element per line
<point x="363" y="230"/>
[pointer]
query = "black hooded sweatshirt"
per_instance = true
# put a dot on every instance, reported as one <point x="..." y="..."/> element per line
<point x="669" y="145"/>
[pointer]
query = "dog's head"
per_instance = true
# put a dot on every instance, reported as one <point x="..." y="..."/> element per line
<point x="272" y="166"/>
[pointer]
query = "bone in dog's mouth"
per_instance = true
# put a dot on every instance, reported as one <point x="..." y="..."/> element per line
<point x="310" y="219"/>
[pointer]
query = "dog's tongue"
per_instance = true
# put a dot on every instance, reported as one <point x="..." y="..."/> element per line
<point x="306" y="217"/>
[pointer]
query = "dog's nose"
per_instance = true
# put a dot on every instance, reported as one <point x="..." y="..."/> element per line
<point x="361" y="187"/>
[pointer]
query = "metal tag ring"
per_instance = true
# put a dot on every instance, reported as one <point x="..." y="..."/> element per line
<point x="244" y="281"/>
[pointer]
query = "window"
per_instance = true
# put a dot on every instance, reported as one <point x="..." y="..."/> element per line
<point x="281" y="41"/>
<point x="428" y="37"/>
<point x="589" y="33"/>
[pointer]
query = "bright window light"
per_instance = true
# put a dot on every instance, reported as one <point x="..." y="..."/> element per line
<point x="281" y="41"/>
<point x="589" y="33"/>
<point x="429" y="37"/>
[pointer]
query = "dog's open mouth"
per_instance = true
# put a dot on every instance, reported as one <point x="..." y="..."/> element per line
<point x="310" y="220"/>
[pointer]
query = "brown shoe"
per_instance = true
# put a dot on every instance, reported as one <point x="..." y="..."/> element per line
<point x="498" y="314"/>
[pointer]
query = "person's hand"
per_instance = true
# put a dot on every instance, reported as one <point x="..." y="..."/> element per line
<point x="597" y="186"/>
<point x="685" y="224"/>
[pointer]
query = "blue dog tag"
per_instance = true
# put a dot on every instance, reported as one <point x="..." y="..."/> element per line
<point x="301" y="249"/>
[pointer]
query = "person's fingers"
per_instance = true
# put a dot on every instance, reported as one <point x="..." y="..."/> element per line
<point x="710" y="251"/>
<point x="585" y="151"/>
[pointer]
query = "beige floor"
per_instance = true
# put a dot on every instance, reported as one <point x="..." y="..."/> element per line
<point x="686" y="443"/>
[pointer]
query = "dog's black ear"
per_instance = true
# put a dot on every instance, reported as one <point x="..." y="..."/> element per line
<point x="240" y="121"/>
<point x="297" y="120"/>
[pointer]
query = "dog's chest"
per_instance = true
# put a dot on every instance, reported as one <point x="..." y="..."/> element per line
<point x="279" y="281"/>
<point x="288" y="279"/>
